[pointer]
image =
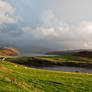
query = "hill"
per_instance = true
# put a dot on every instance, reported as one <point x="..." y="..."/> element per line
<point x="86" y="54"/>
<point x="65" y="52"/>
<point x="68" y="52"/>
<point x="6" y="51"/>
<point x="17" y="78"/>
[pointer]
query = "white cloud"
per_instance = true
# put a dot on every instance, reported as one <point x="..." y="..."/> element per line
<point x="84" y="30"/>
<point x="58" y="34"/>
<point x="51" y="33"/>
<point x="7" y="14"/>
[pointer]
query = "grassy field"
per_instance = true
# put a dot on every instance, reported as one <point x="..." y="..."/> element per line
<point x="17" y="78"/>
<point x="66" y="60"/>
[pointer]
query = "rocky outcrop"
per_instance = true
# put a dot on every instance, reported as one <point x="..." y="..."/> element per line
<point x="6" y="51"/>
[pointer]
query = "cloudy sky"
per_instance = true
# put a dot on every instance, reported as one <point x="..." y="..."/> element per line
<point x="46" y="24"/>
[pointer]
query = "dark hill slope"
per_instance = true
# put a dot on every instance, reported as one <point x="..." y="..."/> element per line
<point x="86" y="54"/>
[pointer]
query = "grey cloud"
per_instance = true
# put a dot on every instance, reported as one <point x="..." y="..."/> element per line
<point x="12" y="30"/>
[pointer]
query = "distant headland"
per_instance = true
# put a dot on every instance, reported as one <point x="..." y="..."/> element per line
<point x="8" y="51"/>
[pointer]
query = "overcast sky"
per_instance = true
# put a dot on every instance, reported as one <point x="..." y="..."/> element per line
<point x="46" y="24"/>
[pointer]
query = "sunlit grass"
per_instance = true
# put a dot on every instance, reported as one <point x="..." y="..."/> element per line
<point x="16" y="78"/>
<point x="67" y="58"/>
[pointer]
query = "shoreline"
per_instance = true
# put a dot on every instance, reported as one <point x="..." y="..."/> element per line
<point x="63" y="67"/>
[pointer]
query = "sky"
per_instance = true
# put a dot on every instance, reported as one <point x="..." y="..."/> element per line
<point x="39" y="25"/>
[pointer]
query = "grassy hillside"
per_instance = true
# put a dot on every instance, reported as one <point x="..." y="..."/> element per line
<point x="16" y="78"/>
<point x="66" y="60"/>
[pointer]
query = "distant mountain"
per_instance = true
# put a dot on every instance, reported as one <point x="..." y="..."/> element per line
<point x="86" y="54"/>
<point x="66" y="52"/>
<point x="6" y="51"/>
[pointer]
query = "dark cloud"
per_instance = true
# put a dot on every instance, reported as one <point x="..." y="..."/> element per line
<point x="13" y="30"/>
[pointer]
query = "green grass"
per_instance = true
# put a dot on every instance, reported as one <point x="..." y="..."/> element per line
<point x="67" y="60"/>
<point x="17" y="78"/>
